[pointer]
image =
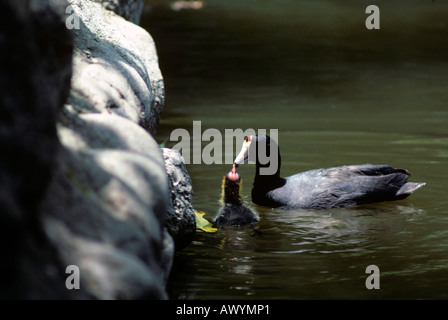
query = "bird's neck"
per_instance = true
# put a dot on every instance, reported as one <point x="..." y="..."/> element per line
<point x="267" y="182"/>
<point x="231" y="192"/>
<point x="263" y="184"/>
<point x="232" y="197"/>
<point x="269" y="171"/>
<point x="267" y="175"/>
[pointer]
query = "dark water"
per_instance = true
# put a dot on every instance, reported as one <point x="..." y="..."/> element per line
<point x="338" y="94"/>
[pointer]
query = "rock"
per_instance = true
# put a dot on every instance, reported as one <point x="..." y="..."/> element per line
<point x="91" y="191"/>
<point x="113" y="200"/>
<point x="115" y="67"/>
<point x="181" y="220"/>
<point x="131" y="10"/>
<point x="110" y="179"/>
<point x="106" y="272"/>
<point x="112" y="186"/>
<point x="105" y="131"/>
<point x="35" y="71"/>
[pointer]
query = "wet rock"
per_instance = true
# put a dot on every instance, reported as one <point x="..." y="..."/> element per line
<point x="181" y="220"/>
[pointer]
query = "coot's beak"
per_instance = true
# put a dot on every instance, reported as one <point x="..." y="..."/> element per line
<point x="244" y="153"/>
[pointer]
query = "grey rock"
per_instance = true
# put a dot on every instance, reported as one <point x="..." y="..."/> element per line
<point x="105" y="272"/>
<point x="115" y="67"/>
<point x="110" y="201"/>
<point x="131" y="10"/>
<point x="112" y="187"/>
<point x="105" y="131"/>
<point x="91" y="191"/>
<point x="110" y="180"/>
<point x="181" y="219"/>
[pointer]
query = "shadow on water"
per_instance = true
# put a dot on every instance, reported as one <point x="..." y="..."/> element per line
<point x="338" y="94"/>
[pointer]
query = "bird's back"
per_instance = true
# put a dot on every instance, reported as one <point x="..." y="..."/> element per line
<point x="343" y="186"/>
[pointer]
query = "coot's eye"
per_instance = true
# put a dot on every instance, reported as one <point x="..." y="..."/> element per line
<point x="247" y="139"/>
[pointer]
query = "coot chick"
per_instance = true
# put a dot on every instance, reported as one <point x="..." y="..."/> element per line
<point x="233" y="211"/>
<point x="336" y="187"/>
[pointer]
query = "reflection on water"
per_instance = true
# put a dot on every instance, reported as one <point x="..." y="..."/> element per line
<point x="301" y="254"/>
<point x="338" y="94"/>
<point x="342" y="230"/>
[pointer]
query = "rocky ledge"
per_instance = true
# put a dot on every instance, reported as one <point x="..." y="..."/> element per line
<point x="83" y="182"/>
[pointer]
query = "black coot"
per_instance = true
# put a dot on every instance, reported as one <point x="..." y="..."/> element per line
<point x="234" y="212"/>
<point x="321" y="188"/>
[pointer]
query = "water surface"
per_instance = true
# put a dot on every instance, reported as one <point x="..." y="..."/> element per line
<point x="338" y="94"/>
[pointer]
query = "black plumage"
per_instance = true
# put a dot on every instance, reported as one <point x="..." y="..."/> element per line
<point x="234" y="212"/>
<point x="325" y="188"/>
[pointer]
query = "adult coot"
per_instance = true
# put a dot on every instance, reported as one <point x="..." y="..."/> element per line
<point x="234" y="212"/>
<point x="321" y="188"/>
